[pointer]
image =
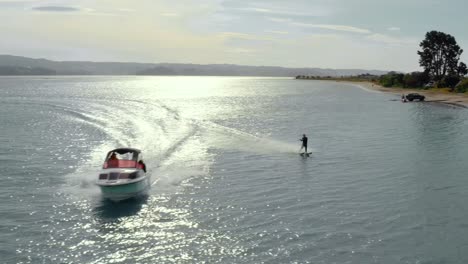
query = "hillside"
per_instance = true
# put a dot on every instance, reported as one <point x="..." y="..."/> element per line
<point x="17" y="65"/>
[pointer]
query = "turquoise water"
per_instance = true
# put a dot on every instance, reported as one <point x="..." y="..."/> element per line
<point x="386" y="182"/>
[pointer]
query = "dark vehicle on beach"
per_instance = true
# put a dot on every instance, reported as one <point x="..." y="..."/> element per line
<point x="415" y="96"/>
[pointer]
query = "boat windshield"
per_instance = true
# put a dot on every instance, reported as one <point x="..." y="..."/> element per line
<point x="121" y="160"/>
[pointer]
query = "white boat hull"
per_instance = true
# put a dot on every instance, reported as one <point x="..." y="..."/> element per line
<point x="122" y="189"/>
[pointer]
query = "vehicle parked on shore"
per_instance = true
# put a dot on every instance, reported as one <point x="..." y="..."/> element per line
<point x="415" y="96"/>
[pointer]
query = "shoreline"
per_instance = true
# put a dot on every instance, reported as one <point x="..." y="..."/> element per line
<point x="432" y="95"/>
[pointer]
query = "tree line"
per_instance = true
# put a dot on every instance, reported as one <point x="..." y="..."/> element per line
<point x="440" y="58"/>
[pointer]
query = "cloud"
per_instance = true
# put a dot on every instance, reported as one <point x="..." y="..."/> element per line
<point x="128" y="10"/>
<point x="56" y="9"/>
<point x="279" y="20"/>
<point x="390" y="40"/>
<point x="237" y="35"/>
<point x="333" y="27"/>
<point x="241" y="50"/>
<point x="257" y="10"/>
<point x="394" y="28"/>
<point x="281" y="8"/>
<point x="277" y="32"/>
<point x="279" y="12"/>
<point x="343" y="28"/>
<point x="169" y="14"/>
<point x="80" y="11"/>
<point x="261" y="32"/>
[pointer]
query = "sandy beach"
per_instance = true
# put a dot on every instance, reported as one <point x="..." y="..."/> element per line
<point x="432" y="95"/>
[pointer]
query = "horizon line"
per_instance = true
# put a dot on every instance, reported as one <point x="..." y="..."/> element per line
<point x="202" y="64"/>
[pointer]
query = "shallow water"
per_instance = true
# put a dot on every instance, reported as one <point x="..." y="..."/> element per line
<point x="386" y="182"/>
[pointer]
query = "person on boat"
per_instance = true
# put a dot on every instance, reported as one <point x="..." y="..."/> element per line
<point x="304" y="140"/>
<point x="113" y="161"/>
<point x="113" y="157"/>
<point x="142" y="165"/>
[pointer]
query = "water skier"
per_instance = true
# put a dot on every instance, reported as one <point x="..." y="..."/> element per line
<point x="304" y="143"/>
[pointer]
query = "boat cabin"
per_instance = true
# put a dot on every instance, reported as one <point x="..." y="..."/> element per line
<point x="124" y="158"/>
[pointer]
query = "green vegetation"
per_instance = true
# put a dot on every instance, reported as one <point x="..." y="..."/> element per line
<point x="410" y="80"/>
<point x="392" y="79"/>
<point x="356" y="78"/>
<point x="440" y="59"/>
<point x="462" y="87"/>
<point x="416" y="79"/>
<point x="440" y="56"/>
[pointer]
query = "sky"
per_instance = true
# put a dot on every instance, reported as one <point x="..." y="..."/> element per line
<point x="340" y="34"/>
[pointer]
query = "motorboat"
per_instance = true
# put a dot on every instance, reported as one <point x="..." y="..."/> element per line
<point x="123" y="174"/>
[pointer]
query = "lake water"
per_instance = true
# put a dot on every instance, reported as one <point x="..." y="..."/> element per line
<point x="387" y="182"/>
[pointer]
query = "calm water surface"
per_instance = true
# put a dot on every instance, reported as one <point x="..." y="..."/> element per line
<point x="387" y="182"/>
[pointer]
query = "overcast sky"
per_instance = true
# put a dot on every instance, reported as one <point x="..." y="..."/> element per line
<point x="366" y="34"/>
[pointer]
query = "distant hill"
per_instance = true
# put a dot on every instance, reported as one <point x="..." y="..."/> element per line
<point x="17" y="65"/>
<point x="15" y="70"/>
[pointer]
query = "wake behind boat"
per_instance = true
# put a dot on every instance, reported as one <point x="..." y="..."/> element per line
<point x="123" y="174"/>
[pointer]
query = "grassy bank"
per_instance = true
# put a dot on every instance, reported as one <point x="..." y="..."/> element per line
<point x="399" y="81"/>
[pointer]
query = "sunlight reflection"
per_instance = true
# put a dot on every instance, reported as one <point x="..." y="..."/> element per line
<point x="197" y="86"/>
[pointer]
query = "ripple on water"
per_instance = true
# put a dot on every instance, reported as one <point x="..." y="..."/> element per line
<point x="384" y="184"/>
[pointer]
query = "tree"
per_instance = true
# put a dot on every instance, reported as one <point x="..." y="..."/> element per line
<point x="440" y="55"/>
<point x="462" y="87"/>
<point x="416" y="79"/>
<point x="392" y="79"/>
<point x="462" y="70"/>
<point x="449" y="81"/>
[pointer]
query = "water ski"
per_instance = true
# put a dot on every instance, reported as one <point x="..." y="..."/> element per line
<point x="305" y="154"/>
